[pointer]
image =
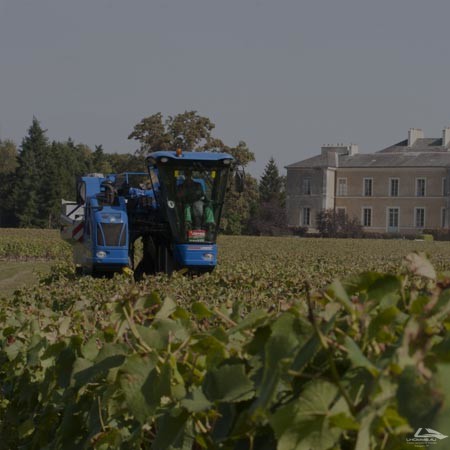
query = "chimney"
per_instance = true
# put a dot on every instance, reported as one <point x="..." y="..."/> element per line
<point x="341" y="149"/>
<point x="333" y="159"/>
<point x="413" y="135"/>
<point x="446" y="137"/>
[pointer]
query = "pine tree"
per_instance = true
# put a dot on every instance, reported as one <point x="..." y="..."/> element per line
<point x="271" y="184"/>
<point x="30" y="189"/>
<point x="100" y="160"/>
<point x="269" y="218"/>
<point x="8" y="165"/>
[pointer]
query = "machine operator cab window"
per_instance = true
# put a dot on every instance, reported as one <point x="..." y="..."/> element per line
<point x="193" y="196"/>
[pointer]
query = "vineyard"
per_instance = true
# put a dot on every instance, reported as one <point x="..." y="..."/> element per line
<point x="270" y="351"/>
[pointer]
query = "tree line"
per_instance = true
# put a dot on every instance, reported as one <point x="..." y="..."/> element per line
<point x="38" y="173"/>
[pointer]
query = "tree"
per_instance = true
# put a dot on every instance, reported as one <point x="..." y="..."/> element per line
<point x="269" y="218"/>
<point x="124" y="162"/>
<point x="100" y="160"/>
<point x="29" y="189"/>
<point x="188" y="131"/>
<point x="240" y="204"/>
<point x="70" y="161"/>
<point x="239" y="207"/>
<point x="241" y="153"/>
<point x="8" y="165"/>
<point x="8" y="157"/>
<point x="271" y="184"/>
<point x="331" y="223"/>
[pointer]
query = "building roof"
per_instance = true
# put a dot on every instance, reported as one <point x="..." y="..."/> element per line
<point x="425" y="152"/>
<point x="406" y="159"/>
<point x="420" y="145"/>
<point x="315" y="161"/>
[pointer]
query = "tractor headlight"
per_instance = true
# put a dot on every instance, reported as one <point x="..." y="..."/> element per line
<point x="208" y="256"/>
<point x="101" y="254"/>
<point x="111" y="217"/>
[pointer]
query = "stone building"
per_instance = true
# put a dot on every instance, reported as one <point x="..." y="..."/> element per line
<point x="403" y="188"/>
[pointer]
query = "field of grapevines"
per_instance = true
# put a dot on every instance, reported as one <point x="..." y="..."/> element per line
<point x="290" y="344"/>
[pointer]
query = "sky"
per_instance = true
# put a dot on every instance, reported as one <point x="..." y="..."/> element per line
<point x="285" y="76"/>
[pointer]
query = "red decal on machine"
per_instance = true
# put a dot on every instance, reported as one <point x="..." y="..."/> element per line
<point x="77" y="232"/>
<point x="196" y="235"/>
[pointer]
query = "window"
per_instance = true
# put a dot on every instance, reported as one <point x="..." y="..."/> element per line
<point x="419" y="220"/>
<point x="444" y="186"/>
<point x="421" y="187"/>
<point x="306" y="217"/>
<point x="367" y="187"/>
<point x="393" y="187"/>
<point x="342" y="187"/>
<point x="443" y="217"/>
<point x="306" y="186"/>
<point x="367" y="217"/>
<point x="341" y="210"/>
<point x="393" y="218"/>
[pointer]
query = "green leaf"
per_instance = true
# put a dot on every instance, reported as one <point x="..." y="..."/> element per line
<point x="357" y="357"/>
<point x="337" y="291"/>
<point x="377" y="286"/>
<point x="442" y="350"/>
<point x="157" y="386"/>
<point x="171" y="431"/>
<point x="12" y="350"/>
<point x="344" y="421"/>
<point x="442" y="418"/>
<point x="252" y="320"/>
<point x="303" y="424"/>
<point x="311" y="347"/>
<point x="196" y="401"/>
<point x="97" y="371"/>
<point x="417" y="400"/>
<point x="214" y="349"/>
<point x="287" y="334"/>
<point x="153" y="338"/>
<point x="200" y="311"/>
<point x="132" y="376"/>
<point x="228" y="383"/>
<point x="161" y="330"/>
<point x="34" y="354"/>
<point x="384" y="319"/>
<point x="167" y="308"/>
<point x="396" y="422"/>
<point x="363" y="441"/>
<point x="26" y="428"/>
<point x="90" y="349"/>
<point x="108" y="440"/>
<point x="109" y="350"/>
<point x="65" y="325"/>
<point x="148" y="301"/>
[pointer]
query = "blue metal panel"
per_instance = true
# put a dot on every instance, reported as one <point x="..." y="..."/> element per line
<point x="196" y="255"/>
<point x="92" y="185"/>
<point x="117" y="256"/>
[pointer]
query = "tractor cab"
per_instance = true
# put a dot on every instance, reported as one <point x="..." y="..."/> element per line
<point x="190" y="192"/>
